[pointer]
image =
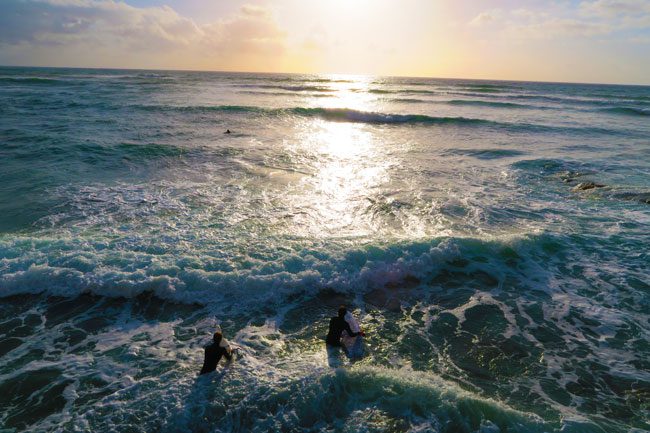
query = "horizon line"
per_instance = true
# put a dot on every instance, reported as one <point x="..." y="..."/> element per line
<point x="329" y="73"/>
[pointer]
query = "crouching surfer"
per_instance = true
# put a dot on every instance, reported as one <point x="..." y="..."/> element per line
<point x="213" y="352"/>
<point x="338" y="325"/>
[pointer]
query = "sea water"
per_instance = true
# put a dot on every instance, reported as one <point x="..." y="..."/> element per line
<point x="492" y="238"/>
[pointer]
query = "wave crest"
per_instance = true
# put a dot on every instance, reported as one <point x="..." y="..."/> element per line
<point x="348" y="115"/>
<point x="626" y="111"/>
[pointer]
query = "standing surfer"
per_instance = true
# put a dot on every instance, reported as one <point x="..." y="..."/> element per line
<point x="213" y="352"/>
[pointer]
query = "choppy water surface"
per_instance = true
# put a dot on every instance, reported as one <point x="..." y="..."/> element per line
<point x="499" y="289"/>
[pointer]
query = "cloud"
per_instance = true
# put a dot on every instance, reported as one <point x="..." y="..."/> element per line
<point x="482" y="19"/>
<point x="640" y="40"/>
<point x="58" y="22"/>
<point x="557" y="27"/>
<point x="120" y="28"/>
<point x="626" y="14"/>
<point x="587" y="19"/>
<point x="614" y="8"/>
<point x="255" y="11"/>
<point x="253" y="30"/>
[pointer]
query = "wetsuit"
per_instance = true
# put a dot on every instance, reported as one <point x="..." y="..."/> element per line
<point x="337" y="326"/>
<point x="213" y="354"/>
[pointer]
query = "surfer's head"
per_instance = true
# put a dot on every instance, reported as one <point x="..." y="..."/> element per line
<point x="342" y="311"/>
<point x="217" y="337"/>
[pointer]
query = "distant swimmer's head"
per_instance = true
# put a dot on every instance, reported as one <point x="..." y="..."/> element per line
<point x="217" y="337"/>
<point x="227" y="131"/>
<point x="342" y="311"/>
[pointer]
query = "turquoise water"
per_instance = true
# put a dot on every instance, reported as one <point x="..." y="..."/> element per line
<point x="492" y="237"/>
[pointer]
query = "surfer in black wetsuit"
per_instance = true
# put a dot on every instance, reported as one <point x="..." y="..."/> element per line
<point x="213" y="354"/>
<point x="337" y="326"/>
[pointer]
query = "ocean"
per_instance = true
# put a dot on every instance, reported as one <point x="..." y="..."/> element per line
<point x="491" y="237"/>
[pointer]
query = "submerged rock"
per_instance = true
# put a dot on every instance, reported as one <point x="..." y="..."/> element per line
<point x="641" y="197"/>
<point x="584" y="186"/>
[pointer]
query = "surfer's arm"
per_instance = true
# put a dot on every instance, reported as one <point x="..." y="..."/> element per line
<point x="227" y="353"/>
<point x="349" y="330"/>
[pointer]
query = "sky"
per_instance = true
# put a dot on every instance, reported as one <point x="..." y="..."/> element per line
<point x="600" y="41"/>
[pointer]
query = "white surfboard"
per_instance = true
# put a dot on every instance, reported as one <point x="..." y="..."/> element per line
<point x="353" y="346"/>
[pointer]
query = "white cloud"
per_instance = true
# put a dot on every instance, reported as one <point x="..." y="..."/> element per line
<point x="640" y="40"/>
<point x="590" y="18"/>
<point x="557" y="27"/>
<point x="615" y="8"/>
<point x="43" y="21"/>
<point x="482" y="19"/>
<point x="255" y="11"/>
<point x="106" y="23"/>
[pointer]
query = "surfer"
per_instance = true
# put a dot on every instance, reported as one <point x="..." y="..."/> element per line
<point x="337" y="326"/>
<point x="213" y="352"/>
<point x="227" y="131"/>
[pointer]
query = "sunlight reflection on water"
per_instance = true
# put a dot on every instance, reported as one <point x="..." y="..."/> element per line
<point x="349" y="167"/>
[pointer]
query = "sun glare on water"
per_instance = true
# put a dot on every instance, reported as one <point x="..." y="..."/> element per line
<point x="351" y="92"/>
<point x="346" y="162"/>
<point x="348" y="167"/>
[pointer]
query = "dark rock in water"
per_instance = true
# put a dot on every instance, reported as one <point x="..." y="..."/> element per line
<point x="409" y="282"/>
<point x="393" y="293"/>
<point x="584" y="186"/>
<point x="641" y="197"/>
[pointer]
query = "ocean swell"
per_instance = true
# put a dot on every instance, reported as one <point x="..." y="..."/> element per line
<point x="626" y="111"/>
<point x="298" y="88"/>
<point x="378" y="118"/>
<point x="494" y="104"/>
<point x="348" y="115"/>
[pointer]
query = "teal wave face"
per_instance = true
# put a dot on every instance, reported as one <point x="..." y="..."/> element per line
<point x="490" y="104"/>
